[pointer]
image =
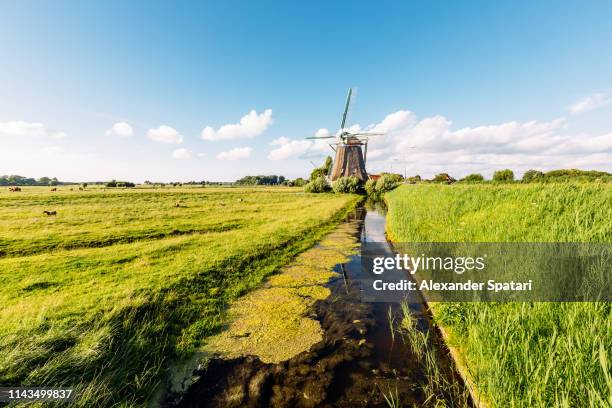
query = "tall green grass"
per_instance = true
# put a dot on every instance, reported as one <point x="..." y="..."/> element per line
<point x="105" y="316"/>
<point x="519" y="354"/>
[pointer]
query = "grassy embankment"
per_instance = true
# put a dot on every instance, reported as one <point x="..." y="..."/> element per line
<point x="519" y="354"/>
<point x="102" y="295"/>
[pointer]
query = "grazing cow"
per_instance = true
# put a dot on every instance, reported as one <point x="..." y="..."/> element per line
<point x="178" y="204"/>
<point x="14" y="189"/>
<point x="50" y="212"/>
<point x="54" y="189"/>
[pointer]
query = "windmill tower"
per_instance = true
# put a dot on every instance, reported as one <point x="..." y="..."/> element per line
<point x="350" y="159"/>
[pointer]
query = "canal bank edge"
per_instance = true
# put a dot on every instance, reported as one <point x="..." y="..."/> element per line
<point x="478" y="398"/>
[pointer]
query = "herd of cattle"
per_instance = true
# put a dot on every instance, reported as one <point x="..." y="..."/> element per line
<point x="15" y="188"/>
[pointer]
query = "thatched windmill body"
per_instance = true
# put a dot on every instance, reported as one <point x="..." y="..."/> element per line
<point x="351" y="149"/>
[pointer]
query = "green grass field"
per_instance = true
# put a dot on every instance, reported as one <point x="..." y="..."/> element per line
<point x="102" y="295"/>
<point x="519" y="354"/>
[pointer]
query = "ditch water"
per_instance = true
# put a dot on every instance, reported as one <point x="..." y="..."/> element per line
<point x="365" y="358"/>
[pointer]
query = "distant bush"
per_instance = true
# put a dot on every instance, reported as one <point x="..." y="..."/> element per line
<point x="577" y="175"/>
<point x="377" y="188"/>
<point x="443" y="178"/>
<point x="387" y="182"/>
<point x="323" y="170"/>
<point x="394" y="177"/>
<point x="299" y="182"/>
<point x="503" y="176"/>
<point x="370" y="187"/>
<point x="473" y="178"/>
<point x="532" y="175"/>
<point x="349" y="184"/>
<point x="414" y="179"/>
<point x="115" y="183"/>
<point x="318" y="185"/>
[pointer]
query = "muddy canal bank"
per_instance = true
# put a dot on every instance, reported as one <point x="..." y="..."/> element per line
<point x="305" y="339"/>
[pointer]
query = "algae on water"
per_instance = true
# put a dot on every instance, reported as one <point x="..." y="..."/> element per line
<point x="273" y="322"/>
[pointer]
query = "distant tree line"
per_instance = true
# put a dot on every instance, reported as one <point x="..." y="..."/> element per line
<point x="115" y="183"/>
<point x="530" y="176"/>
<point x="15" y="180"/>
<point x="261" y="180"/>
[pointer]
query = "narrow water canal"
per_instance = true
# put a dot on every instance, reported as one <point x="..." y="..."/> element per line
<point x="370" y="355"/>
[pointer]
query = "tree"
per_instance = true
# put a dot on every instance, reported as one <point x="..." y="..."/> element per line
<point x="503" y="176"/>
<point x="414" y="179"/>
<point x="299" y="182"/>
<point x="443" y="178"/>
<point x="532" y="175"/>
<point x="322" y="171"/>
<point x="473" y="178"/>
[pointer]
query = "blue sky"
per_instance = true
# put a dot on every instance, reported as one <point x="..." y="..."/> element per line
<point x="472" y="86"/>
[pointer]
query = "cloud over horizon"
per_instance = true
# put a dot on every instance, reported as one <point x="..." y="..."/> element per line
<point x="165" y="134"/>
<point x="237" y="153"/>
<point x="251" y="125"/>
<point x="182" y="154"/>
<point x="431" y="145"/>
<point x="29" y="129"/>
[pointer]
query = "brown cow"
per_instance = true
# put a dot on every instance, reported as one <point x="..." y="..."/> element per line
<point x="15" y="188"/>
<point x="50" y="212"/>
<point x="54" y="189"/>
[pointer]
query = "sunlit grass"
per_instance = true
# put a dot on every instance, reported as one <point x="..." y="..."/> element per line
<point x="100" y="300"/>
<point x="520" y="354"/>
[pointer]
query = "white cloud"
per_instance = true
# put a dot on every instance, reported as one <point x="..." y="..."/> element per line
<point x="51" y="150"/>
<point x="237" y="153"/>
<point x="430" y="145"/>
<point x="29" y="129"/>
<point x="301" y="148"/>
<point x="519" y="145"/>
<point x="322" y="133"/>
<point x="165" y="134"/>
<point x="121" y="129"/>
<point x="182" y="154"/>
<point x="280" y="141"/>
<point x="588" y="103"/>
<point x="251" y="125"/>
<point x="290" y="149"/>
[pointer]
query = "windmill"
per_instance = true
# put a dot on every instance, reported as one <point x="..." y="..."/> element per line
<point x="349" y="160"/>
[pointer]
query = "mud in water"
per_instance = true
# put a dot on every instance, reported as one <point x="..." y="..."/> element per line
<point x="363" y="357"/>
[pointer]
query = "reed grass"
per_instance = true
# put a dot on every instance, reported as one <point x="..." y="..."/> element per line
<point x="519" y="354"/>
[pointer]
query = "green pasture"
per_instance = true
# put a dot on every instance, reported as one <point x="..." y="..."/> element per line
<point x="102" y="295"/>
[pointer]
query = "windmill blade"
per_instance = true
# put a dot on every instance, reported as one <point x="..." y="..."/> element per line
<point x="346" y="107"/>
<point x="367" y="134"/>
<point x="321" y="137"/>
